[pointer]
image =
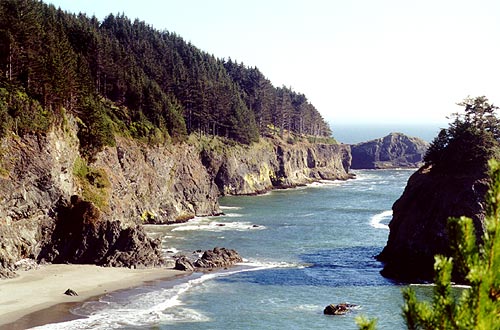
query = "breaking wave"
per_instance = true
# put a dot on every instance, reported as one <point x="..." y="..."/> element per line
<point x="377" y="221"/>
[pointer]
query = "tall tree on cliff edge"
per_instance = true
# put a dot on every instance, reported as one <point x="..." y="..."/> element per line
<point x="471" y="139"/>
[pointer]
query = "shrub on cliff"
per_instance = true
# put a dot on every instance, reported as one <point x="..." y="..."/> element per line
<point x="470" y="140"/>
<point x="21" y="113"/>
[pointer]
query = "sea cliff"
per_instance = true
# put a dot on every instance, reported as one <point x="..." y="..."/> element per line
<point x="48" y="190"/>
<point x="418" y="230"/>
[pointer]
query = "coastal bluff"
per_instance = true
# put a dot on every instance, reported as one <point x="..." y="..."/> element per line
<point x="395" y="150"/>
<point x="130" y="184"/>
<point x="418" y="226"/>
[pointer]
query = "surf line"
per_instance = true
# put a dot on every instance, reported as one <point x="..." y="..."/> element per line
<point x="376" y="220"/>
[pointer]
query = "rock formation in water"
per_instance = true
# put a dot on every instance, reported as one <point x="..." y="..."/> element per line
<point x="395" y="150"/>
<point x="418" y="227"/>
<point x="340" y="309"/>
<point x="218" y="257"/>
<point x="130" y="184"/>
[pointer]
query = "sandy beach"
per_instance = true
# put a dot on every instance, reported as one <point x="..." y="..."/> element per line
<point x="36" y="290"/>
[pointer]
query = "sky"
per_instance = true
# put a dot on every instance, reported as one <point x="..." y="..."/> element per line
<point x="362" y="61"/>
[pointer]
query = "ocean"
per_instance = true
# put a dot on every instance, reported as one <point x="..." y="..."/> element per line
<point x="304" y="248"/>
<point x="356" y="133"/>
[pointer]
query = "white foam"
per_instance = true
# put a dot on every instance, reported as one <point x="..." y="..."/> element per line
<point x="376" y="220"/>
<point x="308" y="308"/>
<point x="326" y="183"/>
<point x="171" y="250"/>
<point x="145" y="309"/>
<point x="148" y="309"/>
<point x="214" y="226"/>
<point x="259" y="265"/>
<point x="230" y="207"/>
<point x="233" y="215"/>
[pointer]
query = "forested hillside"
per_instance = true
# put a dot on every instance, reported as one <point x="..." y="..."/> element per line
<point x="124" y="77"/>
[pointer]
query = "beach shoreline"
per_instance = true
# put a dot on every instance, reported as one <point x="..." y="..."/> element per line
<point x="36" y="296"/>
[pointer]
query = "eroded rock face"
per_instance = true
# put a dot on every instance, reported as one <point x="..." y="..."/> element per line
<point x="270" y="164"/>
<point x="81" y="236"/>
<point x="177" y="182"/>
<point x="35" y="171"/>
<point x="418" y="227"/>
<point x="161" y="184"/>
<point x="395" y="150"/>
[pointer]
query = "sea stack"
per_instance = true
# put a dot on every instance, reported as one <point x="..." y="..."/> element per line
<point x="418" y="227"/>
<point x="395" y="150"/>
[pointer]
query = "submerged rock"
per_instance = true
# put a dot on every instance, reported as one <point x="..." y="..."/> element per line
<point x="340" y="309"/>
<point x="395" y="150"/>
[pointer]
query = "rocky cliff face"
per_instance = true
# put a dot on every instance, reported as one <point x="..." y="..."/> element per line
<point x="418" y="227"/>
<point x="246" y="170"/>
<point x="392" y="151"/>
<point x="130" y="184"/>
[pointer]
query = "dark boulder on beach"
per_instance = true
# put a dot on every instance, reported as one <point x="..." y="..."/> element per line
<point x="70" y="292"/>
<point x="218" y="257"/>
<point x="81" y="236"/>
<point x="182" y="263"/>
<point x="395" y="150"/>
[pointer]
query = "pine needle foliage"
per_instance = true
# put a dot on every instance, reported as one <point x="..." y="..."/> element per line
<point x="155" y="81"/>
<point x="365" y="323"/>
<point x="478" y="307"/>
<point x="470" y="140"/>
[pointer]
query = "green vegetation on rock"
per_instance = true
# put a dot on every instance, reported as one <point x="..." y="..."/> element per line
<point x="94" y="183"/>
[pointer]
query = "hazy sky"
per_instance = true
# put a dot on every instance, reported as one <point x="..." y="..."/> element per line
<point x="381" y="61"/>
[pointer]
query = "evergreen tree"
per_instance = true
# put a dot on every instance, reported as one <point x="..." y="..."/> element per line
<point x="143" y="76"/>
<point x="470" y="140"/>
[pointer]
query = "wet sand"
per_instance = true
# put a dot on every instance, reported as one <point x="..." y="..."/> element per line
<point x="36" y="297"/>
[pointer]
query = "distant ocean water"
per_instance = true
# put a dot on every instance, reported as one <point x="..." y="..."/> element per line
<point x="312" y="246"/>
<point x="356" y="133"/>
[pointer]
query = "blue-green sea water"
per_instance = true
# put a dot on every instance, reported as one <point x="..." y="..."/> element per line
<point x="304" y="248"/>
